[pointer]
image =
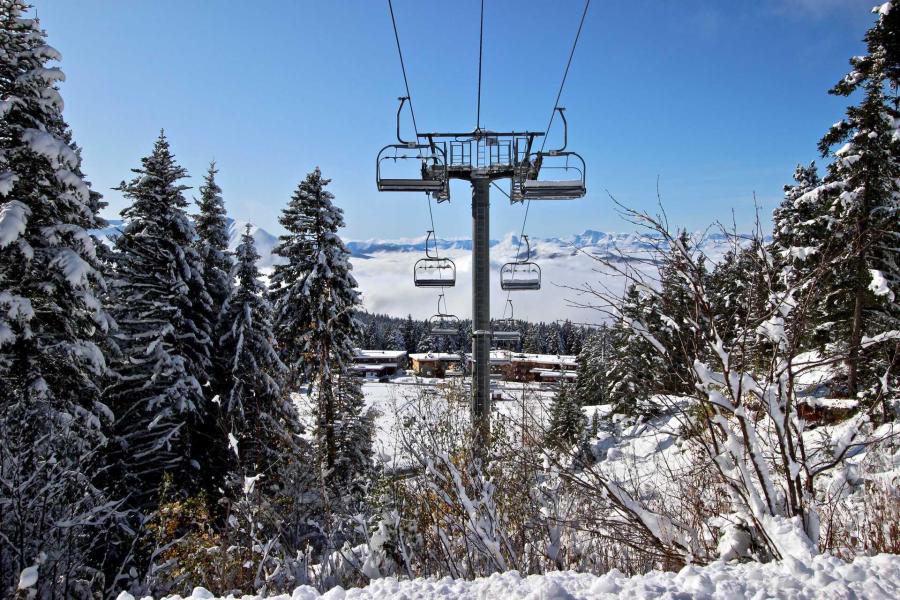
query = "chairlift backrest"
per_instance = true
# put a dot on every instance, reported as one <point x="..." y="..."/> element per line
<point x="521" y="274"/>
<point x="504" y="330"/>
<point x="558" y="180"/>
<point x="433" y="177"/>
<point x="443" y="324"/>
<point x="434" y="271"/>
<point x="561" y="182"/>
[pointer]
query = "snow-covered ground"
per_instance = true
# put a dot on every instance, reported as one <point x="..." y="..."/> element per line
<point x="823" y="578"/>
<point x="404" y="397"/>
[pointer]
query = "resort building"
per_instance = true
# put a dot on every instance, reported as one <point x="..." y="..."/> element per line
<point x="378" y="364"/>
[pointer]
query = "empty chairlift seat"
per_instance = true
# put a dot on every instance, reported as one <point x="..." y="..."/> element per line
<point x="434" y="271"/>
<point x="430" y="178"/>
<point x="504" y="330"/>
<point x="521" y="275"/>
<point x="563" y="181"/>
<point x="443" y="324"/>
<point x="503" y="334"/>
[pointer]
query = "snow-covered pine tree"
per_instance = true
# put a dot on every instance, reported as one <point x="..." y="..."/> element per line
<point x="797" y="223"/>
<point x="256" y="414"/>
<point x="636" y="367"/>
<point x="859" y="197"/>
<point x="567" y="422"/>
<point x="677" y="313"/>
<point x="354" y="436"/>
<point x="411" y="334"/>
<point x="52" y="327"/>
<point x="212" y="245"/>
<point x="535" y="340"/>
<point x="369" y="337"/>
<point x="593" y="365"/>
<point x="315" y="300"/>
<point x="739" y="295"/>
<point x="162" y="307"/>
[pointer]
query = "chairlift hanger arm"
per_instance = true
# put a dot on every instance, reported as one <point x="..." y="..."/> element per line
<point x="562" y="114"/>
<point x="403" y="100"/>
<point x="527" y="250"/>
<point x="428" y="236"/>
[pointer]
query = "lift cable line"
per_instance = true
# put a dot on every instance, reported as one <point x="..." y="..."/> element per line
<point x="403" y="68"/>
<point x="562" y="84"/>
<point x="480" y="51"/>
<point x="413" y="115"/>
<point x="587" y="4"/>
<point x="480" y="157"/>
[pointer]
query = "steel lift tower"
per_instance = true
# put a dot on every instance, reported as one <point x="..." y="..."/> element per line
<point x="482" y="157"/>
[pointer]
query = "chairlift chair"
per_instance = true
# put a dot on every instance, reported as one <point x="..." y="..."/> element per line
<point x="568" y="185"/>
<point x="434" y="271"/>
<point x="443" y="324"/>
<point x="504" y="330"/>
<point x="433" y="177"/>
<point x="521" y="274"/>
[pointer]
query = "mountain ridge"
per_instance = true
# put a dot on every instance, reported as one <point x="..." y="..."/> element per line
<point x="609" y="244"/>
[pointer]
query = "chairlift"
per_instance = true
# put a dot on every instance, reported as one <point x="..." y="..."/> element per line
<point x="434" y="271"/>
<point x="521" y="274"/>
<point x="567" y="169"/>
<point x="433" y="177"/>
<point x="443" y="324"/>
<point x="504" y="330"/>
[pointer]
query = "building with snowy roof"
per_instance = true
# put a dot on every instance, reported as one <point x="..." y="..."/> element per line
<point x="378" y="363"/>
<point x="522" y="366"/>
<point x="436" y="364"/>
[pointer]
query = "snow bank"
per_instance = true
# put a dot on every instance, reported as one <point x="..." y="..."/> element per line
<point x="822" y="577"/>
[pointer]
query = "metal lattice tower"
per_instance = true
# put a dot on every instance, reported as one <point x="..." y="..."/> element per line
<point x="482" y="157"/>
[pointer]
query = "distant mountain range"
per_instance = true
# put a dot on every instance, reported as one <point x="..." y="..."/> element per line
<point x="593" y="242"/>
<point x="616" y="246"/>
<point x="383" y="270"/>
<point x="264" y="240"/>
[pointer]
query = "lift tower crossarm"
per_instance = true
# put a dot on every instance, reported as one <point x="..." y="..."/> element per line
<point x="480" y="133"/>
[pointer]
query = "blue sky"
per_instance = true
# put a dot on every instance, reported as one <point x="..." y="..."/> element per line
<point x="718" y="99"/>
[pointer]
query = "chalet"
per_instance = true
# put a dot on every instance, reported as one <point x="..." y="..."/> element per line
<point x="435" y="364"/>
<point x="378" y="363"/>
<point x="542" y="367"/>
<point x="519" y="366"/>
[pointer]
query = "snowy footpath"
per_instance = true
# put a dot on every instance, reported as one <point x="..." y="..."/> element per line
<point x="821" y="579"/>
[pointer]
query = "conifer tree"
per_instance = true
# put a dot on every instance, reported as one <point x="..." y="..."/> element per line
<point x="315" y="301"/>
<point x="593" y="364"/>
<point x="53" y="425"/>
<point x="677" y="314"/>
<point x="354" y="436"/>
<point x="636" y="369"/>
<point x="797" y="224"/>
<point x="255" y="411"/>
<point x="410" y="334"/>
<point x="860" y="195"/>
<point x="567" y="422"/>
<point x="739" y="297"/>
<point x="162" y="308"/>
<point x="212" y="245"/>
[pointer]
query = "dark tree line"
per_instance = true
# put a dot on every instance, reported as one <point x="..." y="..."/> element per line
<point x="384" y="332"/>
